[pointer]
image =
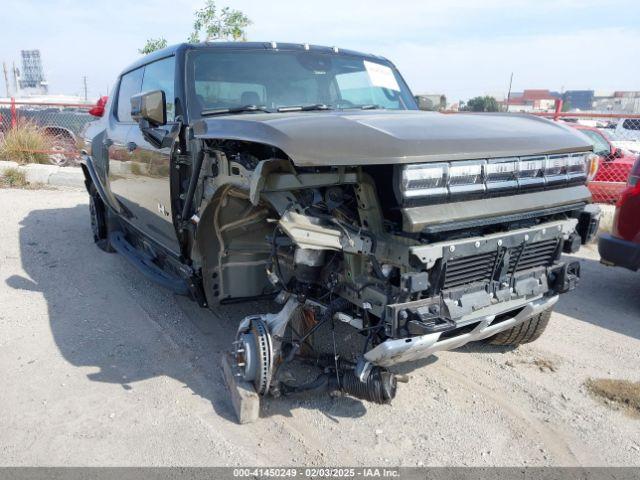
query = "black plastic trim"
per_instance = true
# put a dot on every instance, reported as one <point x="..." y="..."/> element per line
<point x="481" y="222"/>
<point x="619" y="252"/>
<point x="145" y="264"/>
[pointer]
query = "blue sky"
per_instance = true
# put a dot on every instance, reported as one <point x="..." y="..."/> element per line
<point x="461" y="48"/>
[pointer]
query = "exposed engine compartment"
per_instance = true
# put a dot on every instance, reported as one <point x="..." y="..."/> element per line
<point x="331" y="244"/>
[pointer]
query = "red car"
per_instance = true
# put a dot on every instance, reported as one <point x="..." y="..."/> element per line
<point x="614" y="166"/>
<point x="622" y="247"/>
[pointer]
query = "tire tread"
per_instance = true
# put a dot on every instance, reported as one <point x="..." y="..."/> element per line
<point x="527" y="332"/>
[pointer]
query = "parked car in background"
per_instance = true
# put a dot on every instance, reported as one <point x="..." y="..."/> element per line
<point x="622" y="246"/>
<point x="626" y="134"/>
<point x="614" y="165"/>
<point x="98" y="110"/>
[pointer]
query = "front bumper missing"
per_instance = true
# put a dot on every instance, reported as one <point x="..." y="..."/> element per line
<point x="392" y="352"/>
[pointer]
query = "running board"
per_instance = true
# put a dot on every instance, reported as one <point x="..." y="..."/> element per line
<point x="145" y="264"/>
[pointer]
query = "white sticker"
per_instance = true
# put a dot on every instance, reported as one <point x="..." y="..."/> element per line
<point x="381" y="76"/>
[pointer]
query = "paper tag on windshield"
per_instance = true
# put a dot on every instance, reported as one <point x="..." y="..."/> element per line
<point x="381" y="76"/>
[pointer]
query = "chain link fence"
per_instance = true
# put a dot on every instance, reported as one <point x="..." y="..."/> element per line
<point x="42" y="132"/>
<point x="616" y="141"/>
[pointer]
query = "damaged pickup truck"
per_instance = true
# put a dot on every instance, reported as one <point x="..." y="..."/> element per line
<point x="307" y="174"/>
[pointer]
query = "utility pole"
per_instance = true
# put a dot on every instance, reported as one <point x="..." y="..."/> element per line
<point x="84" y="81"/>
<point x="16" y="85"/>
<point x="509" y="92"/>
<point x="6" y="78"/>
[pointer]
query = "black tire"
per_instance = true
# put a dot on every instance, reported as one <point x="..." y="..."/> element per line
<point x="99" y="226"/>
<point x="527" y="332"/>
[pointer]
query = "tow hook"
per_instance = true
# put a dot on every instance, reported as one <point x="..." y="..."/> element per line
<point x="565" y="277"/>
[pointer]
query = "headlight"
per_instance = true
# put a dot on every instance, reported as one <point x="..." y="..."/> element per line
<point x="495" y="175"/>
<point x="531" y="172"/>
<point x="425" y="180"/>
<point x="466" y="177"/>
<point x="502" y="174"/>
<point x="555" y="169"/>
<point x="577" y="167"/>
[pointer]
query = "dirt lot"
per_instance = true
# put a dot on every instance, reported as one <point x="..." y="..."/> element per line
<point x="100" y="367"/>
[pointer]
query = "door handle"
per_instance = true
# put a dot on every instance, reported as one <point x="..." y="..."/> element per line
<point x="131" y="146"/>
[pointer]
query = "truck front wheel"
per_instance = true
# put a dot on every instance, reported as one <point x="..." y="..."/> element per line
<point x="526" y="332"/>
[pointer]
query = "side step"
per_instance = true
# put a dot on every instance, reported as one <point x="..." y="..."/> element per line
<point x="145" y="264"/>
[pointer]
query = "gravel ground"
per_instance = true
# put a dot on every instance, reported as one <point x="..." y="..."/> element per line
<point x="100" y="367"/>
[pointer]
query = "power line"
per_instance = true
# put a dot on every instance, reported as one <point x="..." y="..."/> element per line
<point x="509" y="92"/>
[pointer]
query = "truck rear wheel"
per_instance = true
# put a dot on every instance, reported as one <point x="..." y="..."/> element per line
<point x="526" y="332"/>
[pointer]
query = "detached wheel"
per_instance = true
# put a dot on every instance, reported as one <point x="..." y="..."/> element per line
<point x="527" y="332"/>
<point x="98" y="214"/>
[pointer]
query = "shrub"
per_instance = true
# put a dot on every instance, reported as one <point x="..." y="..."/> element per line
<point x="13" y="177"/>
<point x="25" y="143"/>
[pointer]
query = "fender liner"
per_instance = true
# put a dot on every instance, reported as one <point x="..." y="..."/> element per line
<point x="91" y="177"/>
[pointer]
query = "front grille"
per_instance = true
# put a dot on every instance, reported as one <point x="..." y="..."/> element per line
<point x="471" y="269"/>
<point x="480" y="268"/>
<point x="539" y="254"/>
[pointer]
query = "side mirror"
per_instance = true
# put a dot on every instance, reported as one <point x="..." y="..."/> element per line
<point x="149" y="106"/>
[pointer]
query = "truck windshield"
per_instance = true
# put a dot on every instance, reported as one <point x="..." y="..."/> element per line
<point x="228" y="81"/>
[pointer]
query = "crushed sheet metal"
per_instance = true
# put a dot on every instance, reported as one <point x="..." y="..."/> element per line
<point x="306" y="232"/>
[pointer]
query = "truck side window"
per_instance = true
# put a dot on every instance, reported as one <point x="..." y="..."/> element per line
<point x="160" y="75"/>
<point x="130" y="84"/>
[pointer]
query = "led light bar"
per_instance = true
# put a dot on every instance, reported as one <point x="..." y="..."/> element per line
<point x="578" y="166"/>
<point x="494" y="175"/>
<point x="425" y="180"/>
<point x="466" y="177"/>
<point x="531" y="172"/>
<point x="501" y="174"/>
<point x="555" y="169"/>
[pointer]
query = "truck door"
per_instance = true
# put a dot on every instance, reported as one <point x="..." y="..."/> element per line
<point x="149" y="183"/>
<point x="118" y="127"/>
<point x="139" y="172"/>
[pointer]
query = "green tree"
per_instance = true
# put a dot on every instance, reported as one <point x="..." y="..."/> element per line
<point x="225" y="24"/>
<point x="482" y="104"/>
<point x="152" y="45"/>
<point x="214" y="24"/>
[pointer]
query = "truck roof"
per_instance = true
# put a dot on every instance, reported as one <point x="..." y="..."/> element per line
<point x="172" y="49"/>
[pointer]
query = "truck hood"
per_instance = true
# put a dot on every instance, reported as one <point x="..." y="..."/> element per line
<point x="383" y="137"/>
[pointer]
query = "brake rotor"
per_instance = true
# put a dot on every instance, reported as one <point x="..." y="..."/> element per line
<point x="254" y="355"/>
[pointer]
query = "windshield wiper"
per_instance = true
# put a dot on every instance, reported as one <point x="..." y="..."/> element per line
<point x="305" y="108"/>
<point x="242" y="109"/>
<point x="371" y="106"/>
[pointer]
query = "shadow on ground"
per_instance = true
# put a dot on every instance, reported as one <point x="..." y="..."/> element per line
<point x="104" y="314"/>
<point x="608" y="297"/>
